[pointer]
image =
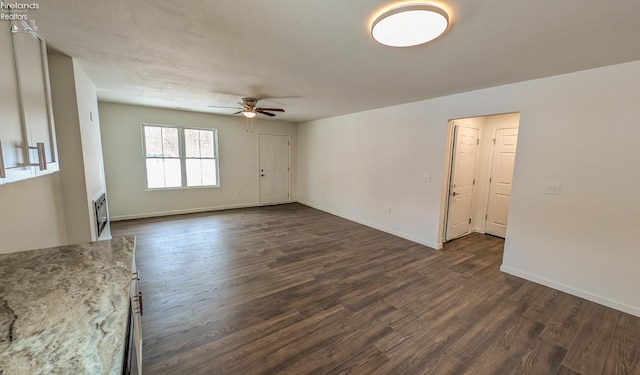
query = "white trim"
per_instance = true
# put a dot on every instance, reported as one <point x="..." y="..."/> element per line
<point x="181" y="212"/>
<point x="573" y="291"/>
<point x="433" y="245"/>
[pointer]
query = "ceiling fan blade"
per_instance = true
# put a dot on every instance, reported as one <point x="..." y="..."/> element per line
<point x="220" y="106"/>
<point x="237" y="113"/>
<point x="271" y="109"/>
<point x="261" y="110"/>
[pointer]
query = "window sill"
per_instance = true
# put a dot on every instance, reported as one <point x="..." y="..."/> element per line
<point x="184" y="188"/>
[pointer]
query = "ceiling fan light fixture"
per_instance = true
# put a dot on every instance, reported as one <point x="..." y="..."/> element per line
<point x="409" y="25"/>
<point x="249" y="114"/>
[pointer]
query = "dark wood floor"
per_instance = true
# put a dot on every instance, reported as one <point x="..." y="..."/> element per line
<point x="292" y="290"/>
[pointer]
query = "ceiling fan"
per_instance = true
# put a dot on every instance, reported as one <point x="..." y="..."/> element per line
<point x="249" y="109"/>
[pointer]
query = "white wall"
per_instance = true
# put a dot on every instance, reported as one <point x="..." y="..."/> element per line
<point x="93" y="163"/>
<point x="238" y="153"/>
<point x="75" y="108"/>
<point x="32" y="214"/>
<point x="69" y="148"/>
<point x="578" y="129"/>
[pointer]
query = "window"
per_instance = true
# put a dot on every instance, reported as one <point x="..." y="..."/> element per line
<point x="180" y="157"/>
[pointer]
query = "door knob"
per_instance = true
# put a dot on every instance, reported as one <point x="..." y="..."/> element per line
<point x="454" y="194"/>
<point x="262" y="174"/>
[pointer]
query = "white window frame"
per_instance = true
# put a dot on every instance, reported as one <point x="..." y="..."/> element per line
<point x="182" y="157"/>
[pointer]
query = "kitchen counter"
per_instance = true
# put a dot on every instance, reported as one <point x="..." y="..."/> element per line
<point x="64" y="310"/>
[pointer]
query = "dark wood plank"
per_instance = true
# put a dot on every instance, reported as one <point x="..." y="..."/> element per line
<point x="624" y="354"/>
<point x="563" y="326"/>
<point x="589" y="350"/>
<point x="546" y="304"/>
<point x="540" y="358"/>
<point x="566" y="371"/>
<point x="364" y="363"/>
<point x="446" y="364"/>
<point x="312" y="332"/>
<point x="292" y="290"/>
<point x="357" y="333"/>
<point x="488" y="330"/>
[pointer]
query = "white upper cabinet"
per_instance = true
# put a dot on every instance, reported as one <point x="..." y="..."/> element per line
<point x="27" y="135"/>
<point x="12" y="159"/>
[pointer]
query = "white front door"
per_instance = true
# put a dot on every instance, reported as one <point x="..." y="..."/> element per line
<point x="504" y="156"/>
<point x="274" y="169"/>
<point x="463" y="169"/>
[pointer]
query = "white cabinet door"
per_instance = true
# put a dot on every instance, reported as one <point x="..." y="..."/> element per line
<point x="33" y="82"/>
<point x="11" y="129"/>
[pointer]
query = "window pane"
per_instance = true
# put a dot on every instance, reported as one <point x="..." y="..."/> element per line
<point x="201" y="172"/>
<point x="192" y="143"/>
<point x="194" y="172"/>
<point x="153" y="140"/>
<point x="172" y="175"/>
<point x="206" y="144"/>
<point x="155" y="173"/>
<point x="199" y="143"/>
<point x="163" y="173"/>
<point x="209" y="175"/>
<point x="170" y="142"/>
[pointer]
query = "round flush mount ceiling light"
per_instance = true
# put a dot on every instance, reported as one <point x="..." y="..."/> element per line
<point x="409" y="25"/>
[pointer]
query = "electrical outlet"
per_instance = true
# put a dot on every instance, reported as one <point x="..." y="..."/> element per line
<point x="552" y="189"/>
<point x="389" y="210"/>
<point x="427" y="177"/>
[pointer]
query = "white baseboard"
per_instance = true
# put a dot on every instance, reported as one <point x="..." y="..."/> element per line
<point x="421" y="241"/>
<point x="180" y="212"/>
<point x="574" y="291"/>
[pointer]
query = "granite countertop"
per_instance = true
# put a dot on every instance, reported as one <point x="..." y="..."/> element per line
<point x="64" y="310"/>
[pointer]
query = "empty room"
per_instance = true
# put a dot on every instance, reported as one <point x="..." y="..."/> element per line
<point x="330" y="187"/>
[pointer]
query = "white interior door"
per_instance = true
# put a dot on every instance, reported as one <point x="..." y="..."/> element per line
<point x="463" y="168"/>
<point x="274" y="169"/>
<point x="504" y="156"/>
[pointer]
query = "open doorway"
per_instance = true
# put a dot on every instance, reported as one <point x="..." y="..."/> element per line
<point x="479" y="171"/>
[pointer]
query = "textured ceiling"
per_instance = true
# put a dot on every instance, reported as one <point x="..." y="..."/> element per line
<point x="316" y="58"/>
